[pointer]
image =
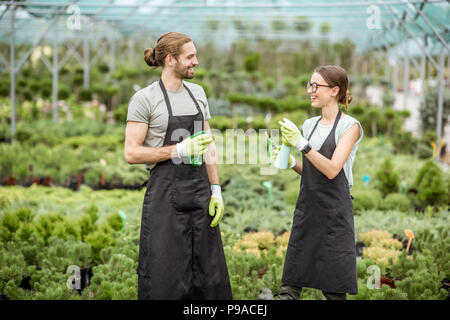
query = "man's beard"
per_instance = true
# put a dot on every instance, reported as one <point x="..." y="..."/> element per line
<point x="182" y="72"/>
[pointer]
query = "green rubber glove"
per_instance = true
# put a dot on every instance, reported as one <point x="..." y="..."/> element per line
<point x="216" y="206"/>
<point x="291" y="162"/>
<point x="194" y="146"/>
<point x="291" y="135"/>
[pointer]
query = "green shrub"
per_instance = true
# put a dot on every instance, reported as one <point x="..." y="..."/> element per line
<point x="428" y="137"/>
<point x="396" y="201"/>
<point x="431" y="186"/>
<point x="404" y="142"/>
<point x="251" y="62"/>
<point x="115" y="280"/>
<point x="9" y="225"/>
<point x="87" y="221"/>
<point x="46" y="223"/>
<point x="85" y="95"/>
<point x="388" y="180"/>
<point x="428" y="110"/>
<point x="100" y="239"/>
<point x="115" y="221"/>
<point x="424" y="151"/>
<point x="63" y="92"/>
<point x="77" y="80"/>
<point x="120" y="113"/>
<point x="366" y="199"/>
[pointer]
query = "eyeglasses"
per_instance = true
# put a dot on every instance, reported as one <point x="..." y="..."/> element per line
<point x="313" y="86"/>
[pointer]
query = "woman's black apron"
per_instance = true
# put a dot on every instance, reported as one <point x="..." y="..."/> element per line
<point x="180" y="255"/>
<point x="321" y="249"/>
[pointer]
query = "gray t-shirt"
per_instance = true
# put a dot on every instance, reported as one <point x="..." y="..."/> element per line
<point x="321" y="133"/>
<point x="148" y="105"/>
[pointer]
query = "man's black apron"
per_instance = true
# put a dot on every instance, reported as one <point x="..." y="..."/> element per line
<point x="180" y="255"/>
<point x="321" y="249"/>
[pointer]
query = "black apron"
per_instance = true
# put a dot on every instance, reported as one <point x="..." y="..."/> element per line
<point x="180" y="255"/>
<point x="321" y="249"/>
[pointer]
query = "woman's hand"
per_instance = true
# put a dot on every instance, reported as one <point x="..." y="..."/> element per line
<point x="291" y="162"/>
<point x="291" y="135"/>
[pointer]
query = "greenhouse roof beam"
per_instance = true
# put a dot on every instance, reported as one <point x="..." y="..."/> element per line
<point x="105" y="7"/>
<point x="71" y="52"/>
<point x="35" y="44"/>
<point x="12" y="72"/>
<point x="419" y="11"/>
<point x="100" y="50"/>
<point x="231" y="5"/>
<point x="46" y="62"/>
<point x="218" y="14"/>
<point x="402" y="23"/>
<point x="4" y="12"/>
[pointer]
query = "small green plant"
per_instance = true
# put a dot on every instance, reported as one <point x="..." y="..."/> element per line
<point x="396" y="201"/>
<point x="431" y="187"/>
<point x="388" y="179"/>
<point x="366" y="199"/>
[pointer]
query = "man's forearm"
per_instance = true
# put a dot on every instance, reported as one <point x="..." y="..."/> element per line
<point x="211" y="164"/>
<point x="143" y="155"/>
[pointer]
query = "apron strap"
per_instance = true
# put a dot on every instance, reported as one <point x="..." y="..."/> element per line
<point x="166" y="97"/>
<point x="314" y="129"/>
<point x="337" y="120"/>
<point x="196" y="105"/>
<point x="193" y="98"/>
<point x="334" y="125"/>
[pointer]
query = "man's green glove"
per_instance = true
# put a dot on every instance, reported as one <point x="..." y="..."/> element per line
<point x="291" y="162"/>
<point x="194" y="146"/>
<point x="291" y="135"/>
<point x="216" y="206"/>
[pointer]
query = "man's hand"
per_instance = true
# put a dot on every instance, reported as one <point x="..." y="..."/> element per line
<point x="216" y="206"/>
<point x="194" y="146"/>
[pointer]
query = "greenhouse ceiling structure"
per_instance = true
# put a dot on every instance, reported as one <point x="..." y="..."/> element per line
<point x="407" y="32"/>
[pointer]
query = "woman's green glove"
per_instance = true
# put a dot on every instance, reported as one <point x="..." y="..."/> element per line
<point x="194" y="146"/>
<point x="216" y="206"/>
<point x="291" y="135"/>
<point x="291" y="162"/>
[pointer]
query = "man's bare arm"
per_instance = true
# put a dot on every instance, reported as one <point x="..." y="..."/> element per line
<point x="136" y="153"/>
<point x="211" y="159"/>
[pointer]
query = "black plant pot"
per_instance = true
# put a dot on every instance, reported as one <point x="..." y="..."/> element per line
<point x="85" y="281"/>
<point x="250" y="229"/>
<point x="359" y="248"/>
<point x="25" y="283"/>
<point x="446" y="286"/>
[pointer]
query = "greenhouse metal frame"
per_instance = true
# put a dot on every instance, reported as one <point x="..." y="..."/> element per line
<point x="409" y="31"/>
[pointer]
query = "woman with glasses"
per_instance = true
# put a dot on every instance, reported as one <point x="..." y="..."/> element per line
<point x="321" y="250"/>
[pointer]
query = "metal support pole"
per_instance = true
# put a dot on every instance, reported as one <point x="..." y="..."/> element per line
<point x="423" y="61"/>
<point x="13" y="74"/>
<point x="406" y="77"/>
<point x="387" y="74"/>
<point x="4" y="12"/>
<point x="86" y="68"/>
<point x="395" y="75"/>
<point x="132" y="51"/>
<point x="440" y="37"/>
<point x="112" y="54"/>
<point x="440" y="99"/>
<point x="55" y="73"/>
<point x="413" y="37"/>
